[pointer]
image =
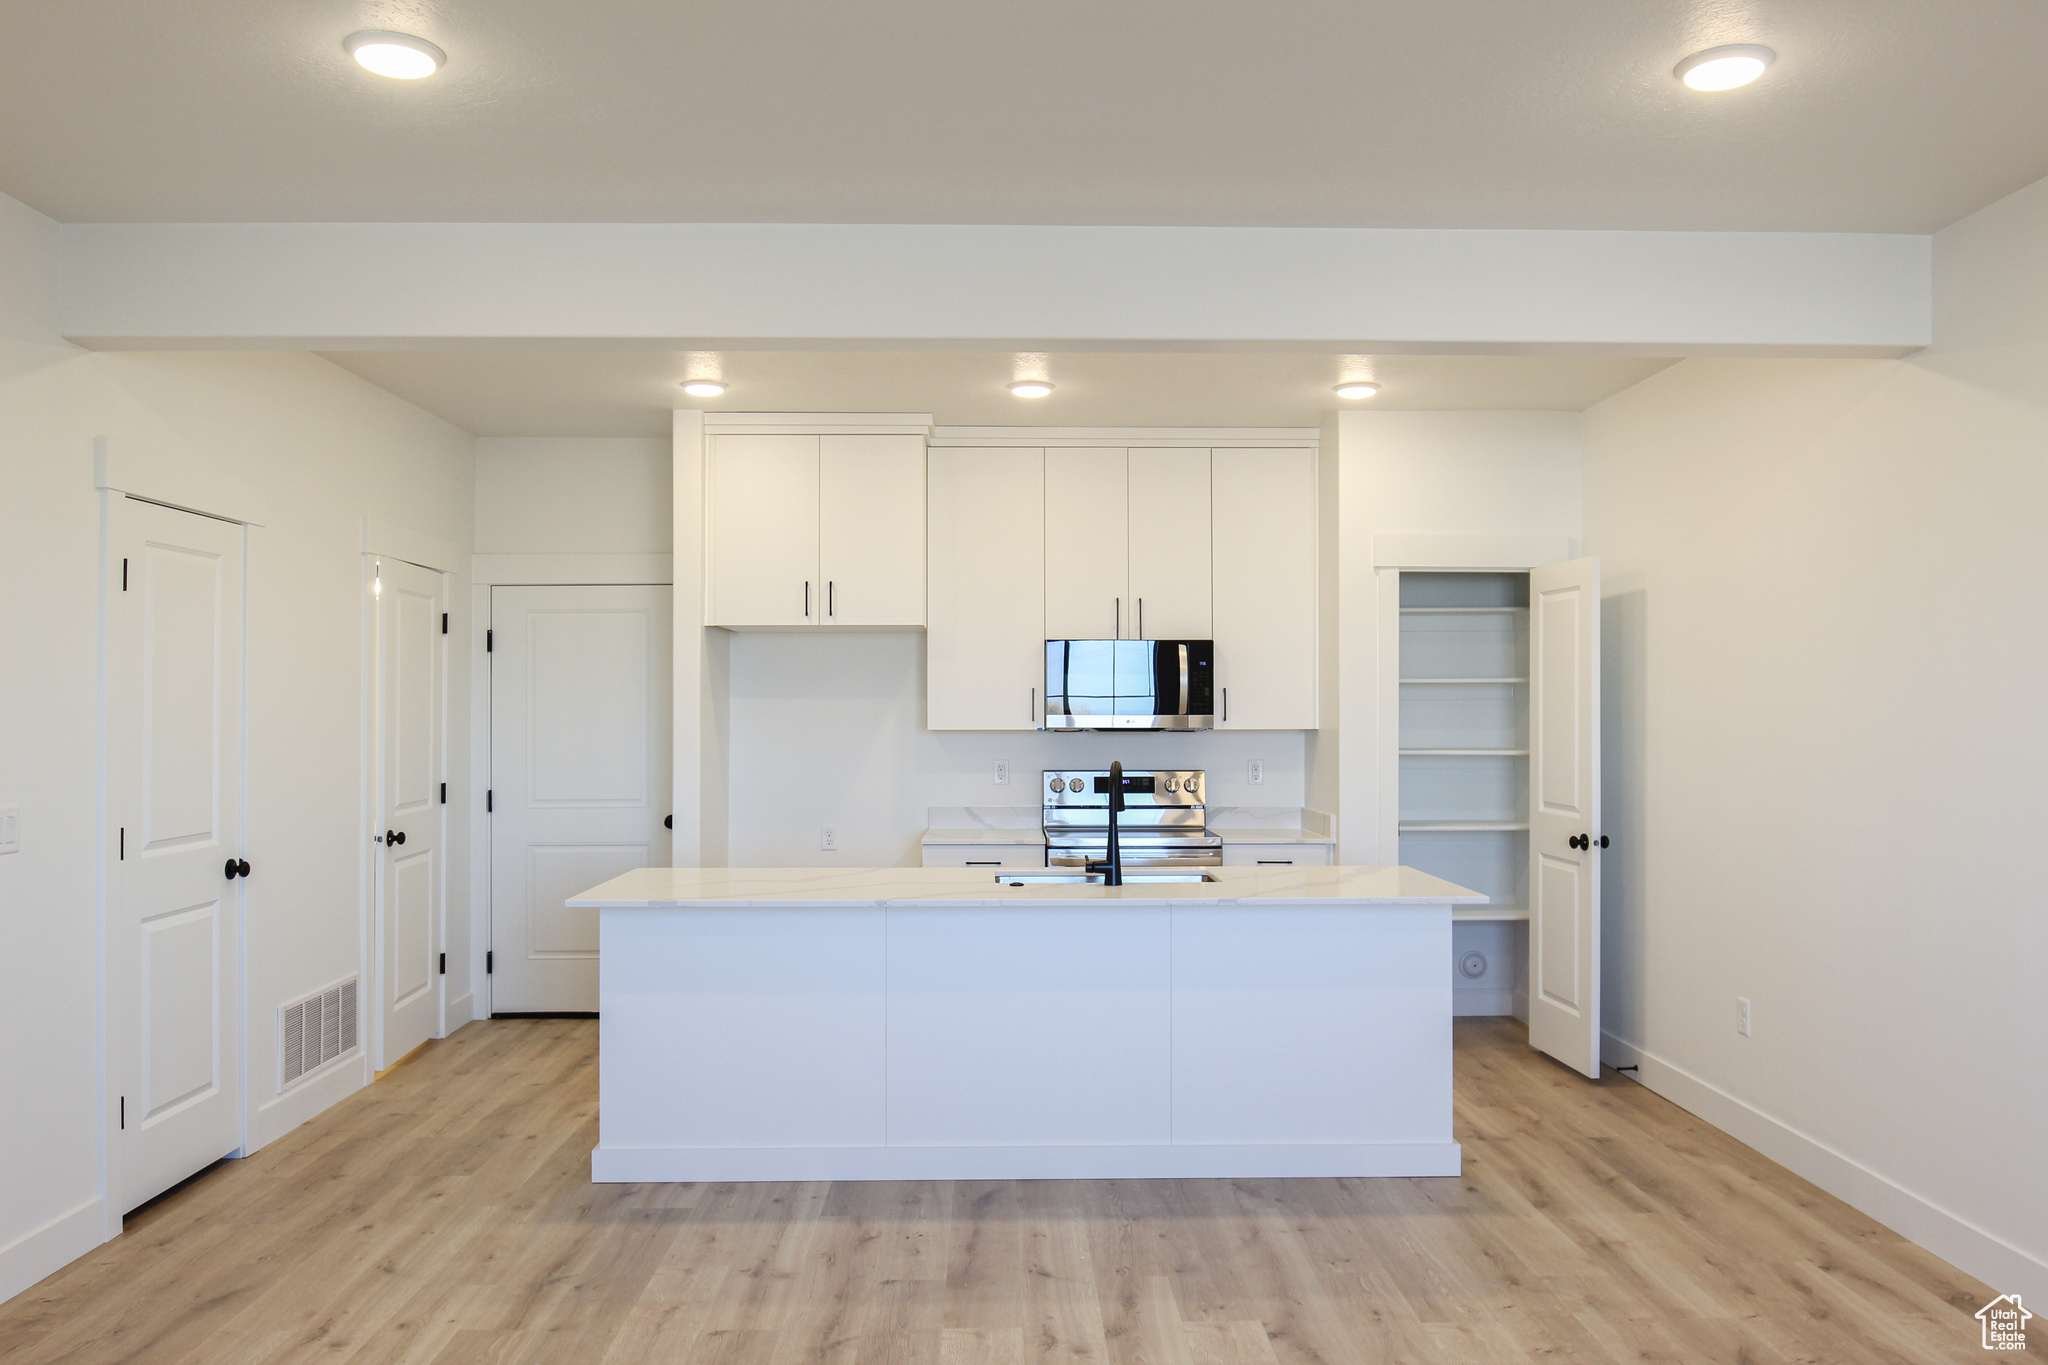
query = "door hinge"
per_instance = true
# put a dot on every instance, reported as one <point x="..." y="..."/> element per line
<point x="487" y="642"/>
<point x="444" y="623"/>
<point x="487" y="962"/>
<point x="444" y="964"/>
<point x="124" y="1109"/>
<point x="444" y="793"/>
<point x="124" y="575"/>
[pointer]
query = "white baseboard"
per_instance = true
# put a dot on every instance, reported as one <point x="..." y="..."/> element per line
<point x="1978" y="1251"/>
<point x="46" y="1250"/>
<point x="640" y="1165"/>
<point x="282" y="1113"/>
<point x="1482" y="1000"/>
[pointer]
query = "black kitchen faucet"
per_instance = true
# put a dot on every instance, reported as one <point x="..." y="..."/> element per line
<point x="1113" y="870"/>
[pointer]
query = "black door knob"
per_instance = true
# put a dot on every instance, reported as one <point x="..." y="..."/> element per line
<point x="242" y="866"/>
<point x="233" y="869"/>
<point x="669" y="823"/>
<point x="1603" y="844"/>
<point x="394" y="836"/>
<point x="1578" y="841"/>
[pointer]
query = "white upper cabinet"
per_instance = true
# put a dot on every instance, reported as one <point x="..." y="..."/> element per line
<point x="1169" y="549"/>
<point x="871" y="529"/>
<point x="985" y="650"/>
<point x="1087" y="546"/>
<point x="762" y="565"/>
<point x="1265" y="589"/>
<point x="815" y="530"/>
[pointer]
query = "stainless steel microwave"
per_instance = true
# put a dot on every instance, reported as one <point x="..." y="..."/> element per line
<point x="1129" y="684"/>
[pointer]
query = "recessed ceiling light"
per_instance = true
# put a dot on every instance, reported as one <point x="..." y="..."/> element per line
<point x="397" y="55"/>
<point x="703" y="388"/>
<point x="1031" y="388"/>
<point x="1724" y="68"/>
<point x="1357" y="388"/>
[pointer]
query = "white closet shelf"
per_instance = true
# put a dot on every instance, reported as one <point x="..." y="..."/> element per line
<point x="1462" y="611"/>
<point x="1463" y="753"/>
<point x="1457" y="682"/>
<point x="1453" y="826"/>
<point x="1472" y="913"/>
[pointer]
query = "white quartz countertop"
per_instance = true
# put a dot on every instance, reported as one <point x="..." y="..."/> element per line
<point x="968" y="887"/>
<point x="1270" y="836"/>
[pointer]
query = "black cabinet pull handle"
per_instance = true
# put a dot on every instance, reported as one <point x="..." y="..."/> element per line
<point x="394" y="836"/>
<point x="242" y="866"/>
<point x="986" y="863"/>
<point x="233" y="869"/>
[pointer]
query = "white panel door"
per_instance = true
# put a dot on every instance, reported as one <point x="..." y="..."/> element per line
<point x="871" y="492"/>
<point x="1564" y="809"/>
<point x="579" y="776"/>
<point x="174" y="734"/>
<point x="1264" y="535"/>
<point x="411" y="603"/>
<point x="985" y="646"/>
<point x="1087" y="546"/>
<point x="1169" y="545"/>
<point x="762" y="503"/>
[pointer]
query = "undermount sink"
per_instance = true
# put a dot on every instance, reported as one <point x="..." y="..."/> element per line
<point x="1076" y="876"/>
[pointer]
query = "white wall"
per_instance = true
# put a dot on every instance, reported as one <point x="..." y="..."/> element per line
<point x="1465" y="474"/>
<point x="572" y="495"/>
<point x="828" y="729"/>
<point x="316" y="450"/>
<point x="1827" y="655"/>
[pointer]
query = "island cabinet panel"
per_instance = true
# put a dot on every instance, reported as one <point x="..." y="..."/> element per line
<point x="1306" y="1025"/>
<point x="985" y="649"/>
<point x="1087" y="545"/>
<point x="1265" y="569"/>
<point x="768" y="1029"/>
<point x="1038" y="1026"/>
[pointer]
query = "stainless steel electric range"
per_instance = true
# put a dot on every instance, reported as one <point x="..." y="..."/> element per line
<point x="1163" y="824"/>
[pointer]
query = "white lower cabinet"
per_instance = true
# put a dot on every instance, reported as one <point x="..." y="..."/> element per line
<point x="1276" y="855"/>
<point x="984" y="855"/>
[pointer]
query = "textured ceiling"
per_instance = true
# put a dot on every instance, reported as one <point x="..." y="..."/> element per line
<point x="630" y="393"/>
<point x="1880" y="115"/>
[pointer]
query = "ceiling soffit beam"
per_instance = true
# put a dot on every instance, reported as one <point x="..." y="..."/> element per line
<point x="337" y="286"/>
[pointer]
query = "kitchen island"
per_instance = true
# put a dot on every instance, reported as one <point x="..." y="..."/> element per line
<point x="946" y="1023"/>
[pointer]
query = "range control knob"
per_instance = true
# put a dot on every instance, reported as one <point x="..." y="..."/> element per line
<point x="1190" y="784"/>
<point x="1172" y="785"/>
<point x="1058" y="785"/>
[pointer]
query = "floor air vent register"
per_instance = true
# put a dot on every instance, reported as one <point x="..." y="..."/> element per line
<point x="316" y="1030"/>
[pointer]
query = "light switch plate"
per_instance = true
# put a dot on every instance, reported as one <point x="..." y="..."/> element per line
<point x="10" y="829"/>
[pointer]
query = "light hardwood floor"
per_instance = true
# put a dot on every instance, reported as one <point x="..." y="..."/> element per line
<point x="445" y="1215"/>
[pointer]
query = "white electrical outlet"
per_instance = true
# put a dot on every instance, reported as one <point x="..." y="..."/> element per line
<point x="830" y="842"/>
<point x="1002" y="772"/>
<point x="1257" y="776"/>
<point x="10" y="830"/>
<point x="1742" y="1015"/>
